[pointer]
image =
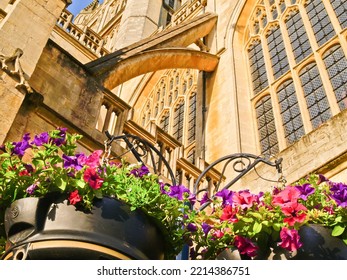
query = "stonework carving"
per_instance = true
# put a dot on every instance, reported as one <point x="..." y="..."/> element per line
<point x="11" y="65"/>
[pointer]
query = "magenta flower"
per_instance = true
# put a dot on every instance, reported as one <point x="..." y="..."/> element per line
<point x="294" y="212"/>
<point x="93" y="160"/>
<point x="288" y="195"/>
<point x="244" y="199"/>
<point x="290" y="239"/>
<point x="74" y="197"/>
<point x="245" y="246"/>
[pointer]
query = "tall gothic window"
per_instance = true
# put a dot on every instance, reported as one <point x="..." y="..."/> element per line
<point x="277" y="51"/>
<point x="257" y="65"/>
<point x="315" y="96"/>
<point x="340" y="8"/>
<point x="191" y="118"/>
<point x="290" y="112"/>
<point x="266" y="126"/>
<point x="164" y="122"/>
<point x="178" y="121"/>
<point x="336" y="65"/>
<point x="320" y="21"/>
<point x="298" y="36"/>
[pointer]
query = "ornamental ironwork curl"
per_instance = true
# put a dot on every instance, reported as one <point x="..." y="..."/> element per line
<point x="141" y="149"/>
<point x="242" y="163"/>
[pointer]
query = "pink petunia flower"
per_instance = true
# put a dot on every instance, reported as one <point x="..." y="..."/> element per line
<point x="245" y="246"/>
<point x="91" y="177"/>
<point x="290" y="239"/>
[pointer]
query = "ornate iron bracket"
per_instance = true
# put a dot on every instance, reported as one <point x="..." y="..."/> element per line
<point x="140" y="148"/>
<point x="242" y="164"/>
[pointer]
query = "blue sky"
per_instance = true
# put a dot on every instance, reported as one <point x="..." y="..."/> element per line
<point x="78" y="5"/>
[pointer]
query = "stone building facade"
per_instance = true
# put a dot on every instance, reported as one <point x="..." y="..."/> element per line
<point x="199" y="79"/>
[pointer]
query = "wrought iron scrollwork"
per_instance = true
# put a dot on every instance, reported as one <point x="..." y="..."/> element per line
<point x="242" y="163"/>
<point x="141" y="149"/>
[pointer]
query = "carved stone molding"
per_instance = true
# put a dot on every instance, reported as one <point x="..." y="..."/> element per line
<point x="11" y="65"/>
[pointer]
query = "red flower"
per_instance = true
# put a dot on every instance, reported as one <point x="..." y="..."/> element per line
<point x="74" y="197"/>
<point x="290" y="239"/>
<point x="229" y="214"/>
<point x="294" y="213"/>
<point x="91" y="177"/>
<point x="245" y="246"/>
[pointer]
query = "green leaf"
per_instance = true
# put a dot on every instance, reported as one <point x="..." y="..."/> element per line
<point x="61" y="183"/>
<point x="256" y="215"/>
<point x="338" y="230"/>
<point x="257" y="227"/>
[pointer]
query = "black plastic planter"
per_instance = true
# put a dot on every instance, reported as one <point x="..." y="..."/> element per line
<point x="49" y="228"/>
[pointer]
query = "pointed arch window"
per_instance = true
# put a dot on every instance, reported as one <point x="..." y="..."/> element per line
<point x="340" y="8"/>
<point x="277" y="51"/>
<point x="320" y="21"/>
<point x="192" y="118"/>
<point x="336" y="65"/>
<point x="316" y="99"/>
<point x="266" y="126"/>
<point x="178" y="121"/>
<point x="257" y="67"/>
<point x="298" y="36"/>
<point x="164" y="122"/>
<point x="290" y="112"/>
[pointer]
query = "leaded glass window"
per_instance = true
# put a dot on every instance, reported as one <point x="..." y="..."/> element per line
<point x="277" y="51"/>
<point x="320" y="21"/>
<point x="191" y="156"/>
<point x="336" y="65"/>
<point x="290" y="112"/>
<point x="266" y="126"/>
<point x="191" y="118"/>
<point x="340" y="8"/>
<point x="178" y="121"/>
<point x="316" y="99"/>
<point x="298" y="36"/>
<point x="257" y="65"/>
<point x="164" y="122"/>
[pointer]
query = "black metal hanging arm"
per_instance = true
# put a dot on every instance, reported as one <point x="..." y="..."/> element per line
<point x="134" y="143"/>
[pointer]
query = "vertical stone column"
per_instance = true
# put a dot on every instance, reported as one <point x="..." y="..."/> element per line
<point x="140" y="19"/>
<point x="23" y="34"/>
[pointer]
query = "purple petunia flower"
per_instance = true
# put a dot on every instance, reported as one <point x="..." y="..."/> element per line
<point x="206" y="228"/>
<point x="226" y="195"/>
<point x="191" y="227"/>
<point x="305" y="190"/>
<point x="205" y="198"/>
<point x="178" y="191"/>
<point x="73" y="161"/>
<point x="31" y="189"/>
<point x="60" y="140"/>
<point x="140" y="172"/>
<point x="20" y="147"/>
<point x="40" y="139"/>
<point x="339" y="194"/>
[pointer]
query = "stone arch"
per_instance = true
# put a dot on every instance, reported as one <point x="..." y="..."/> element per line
<point x="158" y="59"/>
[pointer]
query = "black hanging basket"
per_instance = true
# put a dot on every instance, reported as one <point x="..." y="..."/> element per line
<point x="49" y="228"/>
